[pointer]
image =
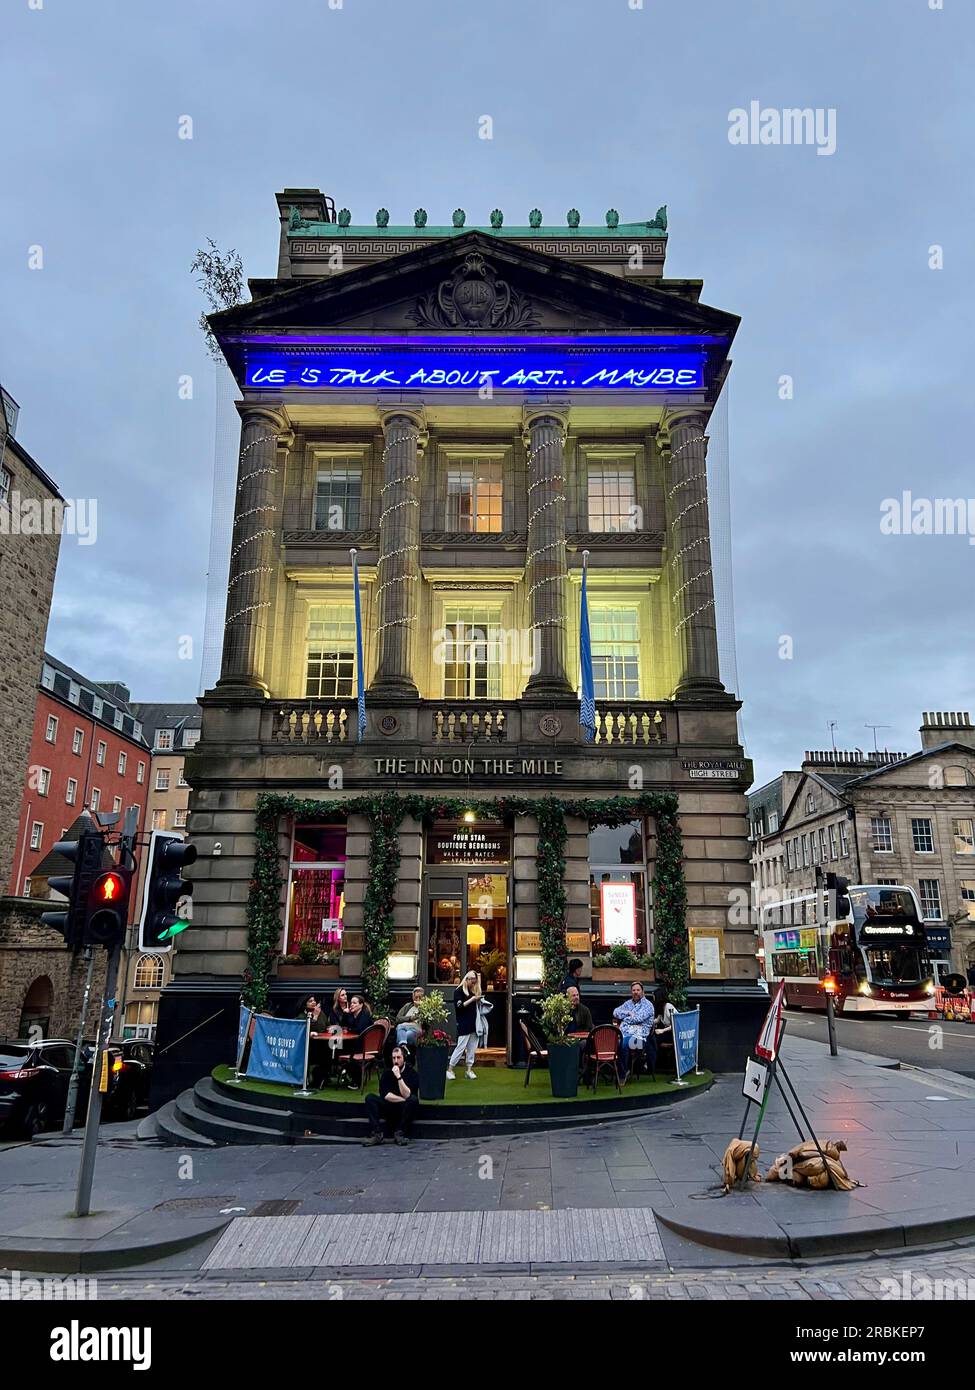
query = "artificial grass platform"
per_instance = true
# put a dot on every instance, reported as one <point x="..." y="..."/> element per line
<point x="494" y="1086"/>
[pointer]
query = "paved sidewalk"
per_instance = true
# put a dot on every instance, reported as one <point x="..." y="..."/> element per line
<point x="911" y="1138"/>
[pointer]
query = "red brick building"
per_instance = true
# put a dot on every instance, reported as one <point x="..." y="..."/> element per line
<point x="87" y="753"/>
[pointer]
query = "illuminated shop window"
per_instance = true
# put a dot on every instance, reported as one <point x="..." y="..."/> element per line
<point x="618" y="887"/>
<point x="330" y="663"/>
<point x="317" y="897"/>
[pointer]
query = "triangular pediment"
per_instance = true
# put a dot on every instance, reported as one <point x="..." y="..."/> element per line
<point x="472" y="283"/>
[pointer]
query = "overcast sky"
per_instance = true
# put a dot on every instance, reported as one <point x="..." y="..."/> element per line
<point x="595" y="104"/>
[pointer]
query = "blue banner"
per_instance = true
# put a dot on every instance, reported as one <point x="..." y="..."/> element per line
<point x="687" y="1037"/>
<point x="278" y="1050"/>
<point x="587" y="705"/>
<point x="243" y="1024"/>
<point x="360" y="670"/>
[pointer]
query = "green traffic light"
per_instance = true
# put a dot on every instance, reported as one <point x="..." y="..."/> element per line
<point x="174" y="930"/>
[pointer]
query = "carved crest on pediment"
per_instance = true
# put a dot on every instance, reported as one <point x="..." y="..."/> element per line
<point x="474" y="296"/>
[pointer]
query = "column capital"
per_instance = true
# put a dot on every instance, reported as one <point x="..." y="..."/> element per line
<point x="557" y="412"/>
<point x="249" y="411"/>
<point x="415" y="416"/>
<point x="692" y="418"/>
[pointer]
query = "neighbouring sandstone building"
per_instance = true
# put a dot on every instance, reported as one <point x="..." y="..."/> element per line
<point x="473" y="412"/>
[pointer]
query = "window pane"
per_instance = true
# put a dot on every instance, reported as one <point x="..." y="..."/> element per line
<point x="330" y="663"/>
<point x="615" y="636"/>
<point x="338" y="495"/>
<point x="317" y="903"/>
<point x="322" y="844"/>
<point x="472" y="653"/>
<point x="444" y="952"/>
<point x="612" y="495"/>
<point x="621" y="844"/>
<point x="638" y="879"/>
<point x="964" y="836"/>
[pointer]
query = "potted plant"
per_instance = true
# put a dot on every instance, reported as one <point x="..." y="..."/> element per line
<point x="309" y="962"/>
<point x="432" y="1046"/>
<point x="563" y="1053"/>
<point x="621" y="963"/>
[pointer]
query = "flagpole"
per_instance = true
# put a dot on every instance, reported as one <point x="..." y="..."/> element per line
<point x="587" y="702"/>
<point x="360" y="673"/>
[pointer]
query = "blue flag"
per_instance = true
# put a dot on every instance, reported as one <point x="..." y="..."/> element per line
<point x="587" y="707"/>
<point x="279" y="1050"/>
<point x="687" y="1037"/>
<point x="360" y="673"/>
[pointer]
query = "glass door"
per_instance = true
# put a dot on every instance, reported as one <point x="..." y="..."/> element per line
<point x="468" y="921"/>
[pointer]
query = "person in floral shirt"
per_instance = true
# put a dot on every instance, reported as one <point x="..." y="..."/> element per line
<point x="635" y="1019"/>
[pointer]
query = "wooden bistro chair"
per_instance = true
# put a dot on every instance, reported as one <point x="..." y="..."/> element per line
<point x="369" y="1050"/>
<point x="533" y="1048"/>
<point x="603" y="1044"/>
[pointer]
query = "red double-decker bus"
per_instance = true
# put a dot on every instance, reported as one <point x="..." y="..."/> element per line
<point x="873" y="958"/>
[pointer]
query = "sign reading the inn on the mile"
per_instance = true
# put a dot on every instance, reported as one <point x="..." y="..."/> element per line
<point x="467" y="767"/>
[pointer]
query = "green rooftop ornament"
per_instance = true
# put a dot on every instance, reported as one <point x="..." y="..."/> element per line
<point x="345" y="217"/>
<point x="382" y="218"/>
<point x="534" y="218"/>
<point x="660" y="221"/>
<point x="460" y="217"/>
<point x="497" y="218"/>
<point x="420" y="217"/>
<point x="572" y="217"/>
<point x="612" y="219"/>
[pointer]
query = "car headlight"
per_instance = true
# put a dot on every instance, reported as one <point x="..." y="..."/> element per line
<point x="865" y="988"/>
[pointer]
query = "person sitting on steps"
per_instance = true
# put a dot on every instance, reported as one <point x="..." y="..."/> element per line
<point x="392" y="1111"/>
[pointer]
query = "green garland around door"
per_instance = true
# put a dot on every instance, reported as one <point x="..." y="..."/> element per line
<point x="385" y="814"/>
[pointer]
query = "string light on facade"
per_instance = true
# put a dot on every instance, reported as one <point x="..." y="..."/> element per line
<point x="251" y="608"/>
<point x="268" y="531"/>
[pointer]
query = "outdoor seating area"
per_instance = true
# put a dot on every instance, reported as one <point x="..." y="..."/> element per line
<point x="600" y="1051"/>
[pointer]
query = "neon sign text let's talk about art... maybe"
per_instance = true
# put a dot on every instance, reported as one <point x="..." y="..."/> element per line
<point x="406" y="372"/>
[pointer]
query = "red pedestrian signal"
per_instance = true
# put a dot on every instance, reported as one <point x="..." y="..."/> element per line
<point x="108" y="905"/>
<point x="108" y="889"/>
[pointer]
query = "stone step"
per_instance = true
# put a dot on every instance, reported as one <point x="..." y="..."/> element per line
<point x="172" y="1129"/>
<point x="198" y="1121"/>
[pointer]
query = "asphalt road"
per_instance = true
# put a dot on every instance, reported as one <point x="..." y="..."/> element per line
<point x="919" y="1041"/>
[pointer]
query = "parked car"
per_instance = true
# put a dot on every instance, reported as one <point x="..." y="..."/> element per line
<point x="137" y="1057"/>
<point x="127" y="1083"/>
<point x="34" y="1079"/>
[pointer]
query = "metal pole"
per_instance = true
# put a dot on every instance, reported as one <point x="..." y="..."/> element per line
<point x="87" y="1171"/>
<point x="831" y="1024"/>
<point x="72" y="1101"/>
<point x="822" y="921"/>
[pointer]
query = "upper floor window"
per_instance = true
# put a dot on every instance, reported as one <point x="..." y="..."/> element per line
<point x="6" y="478"/>
<point x="164" y="738"/>
<point x="832" y="842"/>
<point x="78" y="741"/>
<point x="773" y="822"/>
<point x="71" y="792"/>
<point x="810" y="803"/>
<point x="338" y="495"/>
<point x="162" y="779"/>
<point x="43" y="781"/>
<point x="159" y="820"/>
<point x="474" y="491"/>
<point x="148" y="973"/>
<point x="330" y="662"/>
<point x="191" y="738"/>
<point x="123" y="759"/>
<point x="963" y="832"/>
<point x="180" y="818"/>
<point x="471" y="653"/>
<point x="140" y="775"/>
<point x="922" y="835"/>
<point x="51" y="732"/>
<point x="100" y="753"/>
<point x="881" y="834"/>
<point x="36" y="834"/>
<point x="96" y="798"/>
<point x="930" y="893"/>
<point x="612" y="496"/>
<point x="615" y="638"/>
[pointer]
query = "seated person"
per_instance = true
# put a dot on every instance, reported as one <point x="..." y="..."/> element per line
<point x="312" y="1007"/>
<point x="339" y="1014"/>
<point x="573" y="977"/>
<point x="394" y="1108"/>
<point x="361" y="1017"/>
<point x="581" y="1020"/>
<point x="663" y="1025"/>
<point x="635" y="1018"/>
<point x="408" y="1020"/>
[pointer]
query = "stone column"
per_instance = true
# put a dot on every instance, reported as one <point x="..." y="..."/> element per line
<point x="398" y="569"/>
<point x="692" y="621"/>
<point x="544" y="439"/>
<point x="262" y="433"/>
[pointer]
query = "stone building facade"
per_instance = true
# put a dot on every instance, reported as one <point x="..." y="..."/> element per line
<point x="475" y="412"/>
<point x="893" y="818"/>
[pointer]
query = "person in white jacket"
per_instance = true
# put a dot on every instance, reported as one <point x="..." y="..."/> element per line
<point x="466" y="1000"/>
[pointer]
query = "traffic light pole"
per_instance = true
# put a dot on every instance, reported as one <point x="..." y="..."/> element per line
<point x="90" y="1145"/>
<point x="72" y="1101"/>
<point x="822" y="915"/>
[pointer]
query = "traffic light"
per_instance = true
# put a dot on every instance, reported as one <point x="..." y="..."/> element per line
<point x="838" y="885"/>
<point x="86" y="854"/>
<point x="107" y="909"/>
<point x="164" y="886"/>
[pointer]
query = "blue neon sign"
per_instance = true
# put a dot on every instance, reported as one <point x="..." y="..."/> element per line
<point x="515" y="369"/>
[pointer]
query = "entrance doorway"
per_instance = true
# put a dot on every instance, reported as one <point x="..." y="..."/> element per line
<point x="467" y="915"/>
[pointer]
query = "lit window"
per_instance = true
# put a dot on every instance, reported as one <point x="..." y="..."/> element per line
<point x="930" y="893"/>
<point x="317" y="897"/>
<point x="164" y="738"/>
<point x="36" y="834"/>
<point x="71" y="795"/>
<point x="78" y="741"/>
<point x="162" y="779"/>
<point x="963" y="833"/>
<point x="881" y="834"/>
<point x="615" y="638"/>
<point x="338" y="495"/>
<point x="612" y="496"/>
<point x="51" y="731"/>
<point x="474" y="496"/>
<point x="330" y="661"/>
<point x="159" y="820"/>
<point x="471" y="653"/>
<point x="123" y="759"/>
<point x="149" y="972"/>
<point x="100" y="753"/>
